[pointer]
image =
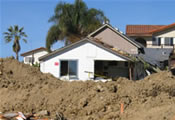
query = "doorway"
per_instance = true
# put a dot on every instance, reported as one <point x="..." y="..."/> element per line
<point x="111" y="69"/>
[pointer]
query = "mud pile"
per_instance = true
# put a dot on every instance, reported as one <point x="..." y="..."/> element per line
<point x="23" y="88"/>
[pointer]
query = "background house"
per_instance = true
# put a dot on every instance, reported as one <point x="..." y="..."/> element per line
<point x="32" y="57"/>
<point x="153" y="36"/>
<point x="159" y="41"/>
<point x="117" y="39"/>
<point x="89" y="58"/>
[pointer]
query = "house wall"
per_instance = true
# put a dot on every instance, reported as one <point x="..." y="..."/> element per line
<point x="166" y="33"/>
<point x="36" y="56"/>
<point x="114" y="39"/>
<point x="85" y="54"/>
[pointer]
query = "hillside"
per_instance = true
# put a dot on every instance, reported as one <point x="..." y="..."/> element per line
<point x="24" y="88"/>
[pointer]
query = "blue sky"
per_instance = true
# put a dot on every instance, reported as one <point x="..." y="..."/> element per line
<point x="33" y="15"/>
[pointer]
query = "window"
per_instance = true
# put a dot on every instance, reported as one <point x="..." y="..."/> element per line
<point x="171" y="39"/>
<point x="156" y="41"/>
<point x="159" y="41"/>
<point x="153" y="41"/>
<point x="69" y="67"/>
<point x="168" y="41"/>
<point x="72" y="65"/>
<point x="64" y="68"/>
<point x="29" y="59"/>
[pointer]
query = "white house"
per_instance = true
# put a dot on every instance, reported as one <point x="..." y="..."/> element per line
<point x="32" y="57"/>
<point x="88" y="59"/>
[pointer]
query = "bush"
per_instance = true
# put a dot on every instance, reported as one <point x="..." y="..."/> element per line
<point x="36" y="64"/>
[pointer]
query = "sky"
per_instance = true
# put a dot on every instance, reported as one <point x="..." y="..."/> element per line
<point x="33" y="15"/>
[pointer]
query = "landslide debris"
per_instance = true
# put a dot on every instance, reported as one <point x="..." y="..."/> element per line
<point x="24" y="88"/>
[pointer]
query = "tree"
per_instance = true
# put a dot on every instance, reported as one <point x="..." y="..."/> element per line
<point x="73" y="22"/>
<point x="15" y="34"/>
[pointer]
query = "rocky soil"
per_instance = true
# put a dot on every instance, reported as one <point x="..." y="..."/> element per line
<point x="24" y="88"/>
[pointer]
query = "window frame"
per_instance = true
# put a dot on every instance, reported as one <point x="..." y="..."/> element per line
<point x="170" y="41"/>
<point x="77" y="66"/>
<point x="29" y="59"/>
<point x="156" y="41"/>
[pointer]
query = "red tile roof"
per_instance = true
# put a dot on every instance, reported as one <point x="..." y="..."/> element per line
<point x="32" y="51"/>
<point x="163" y="28"/>
<point x="141" y="30"/>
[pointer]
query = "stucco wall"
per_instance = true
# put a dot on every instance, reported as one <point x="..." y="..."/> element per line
<point x="36" y="56"/>
<point x="85" y="53"/>
<point x="166" y="33"/>
<point x="110" y="37"/>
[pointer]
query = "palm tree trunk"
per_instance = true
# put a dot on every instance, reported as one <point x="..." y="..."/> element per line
<point x="17" y="57"/>
<point x="16" y="47"/>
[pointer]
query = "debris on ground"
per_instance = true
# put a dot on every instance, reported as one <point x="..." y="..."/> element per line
<point x="24" y="88"/>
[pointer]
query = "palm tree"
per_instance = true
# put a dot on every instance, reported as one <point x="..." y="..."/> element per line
<point x="72" y="22"/>
<point x="15" y="34"/>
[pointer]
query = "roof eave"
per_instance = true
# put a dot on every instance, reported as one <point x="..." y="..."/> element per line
<point x="138" y="35"/>
<point x="162" y="28"/>
<point x="33" y="51"/>
<point x="85" y="39"/>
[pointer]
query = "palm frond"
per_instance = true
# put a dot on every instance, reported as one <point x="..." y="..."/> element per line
<point x="16" y="28"/>
<point x="73" y="21"/>
<point x="8" y="39"/>
<point x="16" y="35"/>
<point x="24" y="40"/>
<point x="58" y="11"/>
<point x="23" y="34"/>
<point x="21" y="29"/>
<point x="6" y="33"/>
<point x="53" y="36"/>
<point x="10" y="29"/>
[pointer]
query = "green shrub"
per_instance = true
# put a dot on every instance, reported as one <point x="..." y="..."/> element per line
<point x="36" y="64"/>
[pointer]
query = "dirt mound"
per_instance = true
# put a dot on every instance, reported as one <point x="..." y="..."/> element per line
<point x="24" y="88"/>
